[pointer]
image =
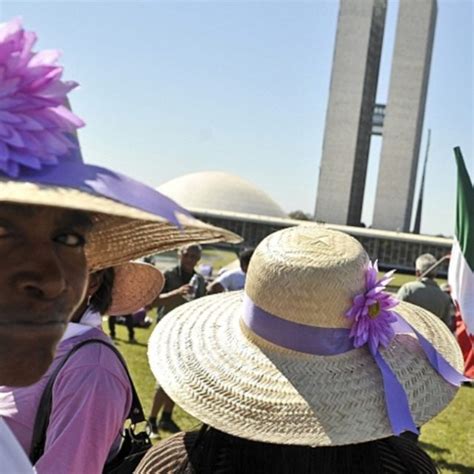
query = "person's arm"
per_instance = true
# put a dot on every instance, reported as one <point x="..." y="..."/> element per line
<point x="90" y="404"/>
<point x="215" y="287"/>
<point x="173" y="297"/>
<point x="170" y="296"/>
<point x="220" y="284"/>
<point x="403" y="293"/>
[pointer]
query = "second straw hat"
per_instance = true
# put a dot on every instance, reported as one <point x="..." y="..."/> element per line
<point x="314" y="352"/>
<point x="136" y="285"/>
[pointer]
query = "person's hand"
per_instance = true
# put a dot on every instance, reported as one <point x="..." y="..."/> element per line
<point x="183" y="290"/>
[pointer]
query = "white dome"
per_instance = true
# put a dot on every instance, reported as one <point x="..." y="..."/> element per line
<point x="219" y="191"/>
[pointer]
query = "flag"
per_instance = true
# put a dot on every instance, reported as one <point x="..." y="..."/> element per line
<point x="461" y="267"/>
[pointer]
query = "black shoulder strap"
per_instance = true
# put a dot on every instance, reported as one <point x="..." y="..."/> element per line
<point x="45" y="405"/>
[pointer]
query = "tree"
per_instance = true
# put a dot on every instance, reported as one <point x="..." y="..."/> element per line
<point x="299" y="215"/>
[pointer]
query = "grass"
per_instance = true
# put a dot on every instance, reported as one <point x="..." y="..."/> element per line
<point x="210" y="256"/>
<point x="400" y="279"/>
<point x="448" y="438"/>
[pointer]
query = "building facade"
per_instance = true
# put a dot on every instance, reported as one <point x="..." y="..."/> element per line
<point x="404" y="113"/>
<point x="348" y="128"/>
<point x="352" y="112"/>
<point x="392" y="249"/>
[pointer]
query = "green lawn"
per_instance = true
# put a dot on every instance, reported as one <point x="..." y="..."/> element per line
<point x="400" y="279"/>
<point x="449" y="438"/>
<point x="217" y="258"/>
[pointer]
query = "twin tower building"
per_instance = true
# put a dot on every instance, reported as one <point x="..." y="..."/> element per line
<point x="353" y="115"/>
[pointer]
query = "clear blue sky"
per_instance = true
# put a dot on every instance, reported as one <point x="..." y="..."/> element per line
<point x="169" y="88"/>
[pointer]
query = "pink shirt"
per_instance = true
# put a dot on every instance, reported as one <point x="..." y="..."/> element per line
<point x="91" y="400"/>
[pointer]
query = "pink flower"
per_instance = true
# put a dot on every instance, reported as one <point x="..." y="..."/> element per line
<point x="371" y="311"/>
<point x="33" y="118"/>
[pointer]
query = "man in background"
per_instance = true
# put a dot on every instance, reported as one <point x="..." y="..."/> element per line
<point x="425" y="292"/>
<point x="182" y="284"/>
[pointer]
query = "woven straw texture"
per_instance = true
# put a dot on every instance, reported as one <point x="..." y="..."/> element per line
<point x="328" y="267"/>
<point x="217" y="370"/>
<point x="135" y="285"/>
<point x="209" y="367"/>
<point x="121" y="233"/>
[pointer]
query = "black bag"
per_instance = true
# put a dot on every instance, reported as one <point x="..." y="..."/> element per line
<point x="133" y="446"/>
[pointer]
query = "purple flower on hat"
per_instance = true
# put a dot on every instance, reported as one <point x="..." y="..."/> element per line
<point x="371" y="312"/>
<point x="33" y="118"/>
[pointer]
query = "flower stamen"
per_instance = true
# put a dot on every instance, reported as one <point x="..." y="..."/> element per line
<point x="374" y="310"/>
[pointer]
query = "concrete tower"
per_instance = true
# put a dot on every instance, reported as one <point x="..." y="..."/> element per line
<point x="348" y="129"/>
<point x="404" y="114"/>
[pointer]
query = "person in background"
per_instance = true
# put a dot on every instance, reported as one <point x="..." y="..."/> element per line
<point x="305" y="371"/>
<point x="129" y="323"/>
<point x="182" y="284"/>
<point x="91" y="393"/>
<point x="206" y="270"/>
<point x="425" y="292"/>
<point x="232" y="280"/>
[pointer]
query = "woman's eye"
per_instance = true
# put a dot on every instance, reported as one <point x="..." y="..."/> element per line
<point x="71" y="240"/>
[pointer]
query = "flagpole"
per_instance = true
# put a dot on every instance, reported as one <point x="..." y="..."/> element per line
<point x="435" y="265"/>
<point x="417" y="224"/>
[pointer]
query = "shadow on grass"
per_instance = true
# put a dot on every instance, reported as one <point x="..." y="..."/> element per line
<point x="454" y="467"/>
<point x="432" y="447"/>
<point x="441" y="464"/>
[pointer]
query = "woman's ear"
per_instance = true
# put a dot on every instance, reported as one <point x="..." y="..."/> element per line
<point x="95" y="281"/>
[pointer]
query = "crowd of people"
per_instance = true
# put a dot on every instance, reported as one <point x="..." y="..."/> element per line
<point x="298" y="361"/>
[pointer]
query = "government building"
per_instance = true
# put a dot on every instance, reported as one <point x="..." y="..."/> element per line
<point x="228" y="201"/>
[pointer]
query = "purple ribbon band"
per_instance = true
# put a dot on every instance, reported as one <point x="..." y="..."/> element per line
<point x="437" y="361"/>
<point x="106" y="183"/>
<point x="295" y="336"/>
<point x="333" y="341"/>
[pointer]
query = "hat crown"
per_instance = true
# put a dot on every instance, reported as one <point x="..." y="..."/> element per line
<point x="307" y="274"/>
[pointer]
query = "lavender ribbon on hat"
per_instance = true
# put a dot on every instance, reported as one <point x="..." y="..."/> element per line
<point x="106" y="183"/>
<point x="373" y="323"/>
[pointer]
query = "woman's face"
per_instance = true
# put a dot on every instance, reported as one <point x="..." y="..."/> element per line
<point x="43" y="278"/>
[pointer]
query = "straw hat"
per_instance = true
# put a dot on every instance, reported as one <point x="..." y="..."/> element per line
<point x="136" y="285"/>
<point x="120" y="232"/>
<point x="210" y="360"/>
<point x="41" y="164"/>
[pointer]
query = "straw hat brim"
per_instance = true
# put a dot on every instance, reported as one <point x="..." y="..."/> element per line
<point x="120" y="233"/>
<point x="205" y="363"/>
<point x="135" y="286"/>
